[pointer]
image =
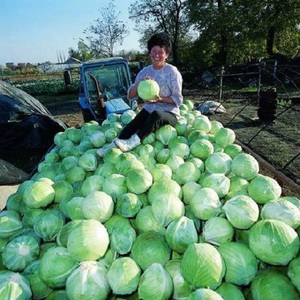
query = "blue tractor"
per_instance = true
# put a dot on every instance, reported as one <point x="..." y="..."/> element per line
<point x="103" y="88"/>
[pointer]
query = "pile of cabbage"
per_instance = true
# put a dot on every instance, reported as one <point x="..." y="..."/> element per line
<point x="185" y="215"/>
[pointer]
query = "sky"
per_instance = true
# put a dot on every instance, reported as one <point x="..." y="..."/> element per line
<point x="35" y="31"/>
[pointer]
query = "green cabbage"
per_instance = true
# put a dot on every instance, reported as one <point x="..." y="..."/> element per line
<point x="128" y="205"/>
<point x="187" y="172"/>
<point x="150" y="247"/>
<point x="201" y="148"/>
<point x="145" y="221"/>
<point x="263" y="189"/>
<point x="39" y="194"/>
<point x="14" y="285"/>
<point x="123" y="276"/>
<point x="204" y="293"/>
<point x="293" y="272"/>
<point x="202" y="266"/>
<point x="273" y="242"/>
<point x="202" y="123"/>
<point x="20" y="252"/>
<point x="181" y="289"/>
<point x="55" y="266"/>
<point x="217" y="230"/>
<point x="165" y="134"/>
<point x="98" y="205"/>
<point x="245" y="166"/>
<point x="216" y="181"/>
<point x="10" y="223"/>
<point x="218" y="162"/>
<point x="88" y="240"/>
<point x="205" y="203"/>
<point x="148" y="89"/>
<point x="48" y="223"/>
<point x="241" y="211"/>
<point x="139" y="181"/>
<point x="155" y="283"/>
<point x="167" y="208"/>
<point x="281" y="209"/>
<point x="180" y="233"/>
<point x="241" y="264"/>
<point x="224" y="137"/>
<point x="88" y="281"/>
<point x="39" y="288"/>
<point x="272" y="284"/>
<point x="229" y="291"/>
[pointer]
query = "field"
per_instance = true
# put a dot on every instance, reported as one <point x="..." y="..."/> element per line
<point x="277" y="144"/>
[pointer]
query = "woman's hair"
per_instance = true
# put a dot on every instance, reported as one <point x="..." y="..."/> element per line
<point x="162" y="40"/>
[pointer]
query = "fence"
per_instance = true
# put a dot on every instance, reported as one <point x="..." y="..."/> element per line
<point x="262" y="103"/>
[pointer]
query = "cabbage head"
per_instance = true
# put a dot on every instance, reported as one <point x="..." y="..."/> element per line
<point x="165" y="134"/>
<point x="128" y="205"/>
<point x="39" y="288"/>
<point x="294" y="272"/>
<point x="88" y="281"/>
<point x="164" y="187"/>
<point x="241" y="211"/>
<point x="204" y="293"/>
<point x="180" y="233"/>
<point x="88" y="240"/>
<point x="205" y="203"/>
<point x="55" y="266"/>
<point x="91" y="184"/>
<point x="230" y="291"/>
<point x="123" y="276"/>
<point x="115" y="185"/>
<point x="187" y="172"/>
<point x="188" y="191"/>
<point x="167" y="208"/>
<point x="14" y="285"/>
<point x="181" y="289"/>
<point x="148" y="89"/>
<point x="10" y="223"/>
<point x="224" y="137"/>
<point x="273" y="242"/>
<point x="150" y="247"/>
<point x="98" y="205"/>
<point x="263" y="189"/>
<point x="202" y="266"/>
<point x="39" y="194"/>
<point x="218" y="182"/>
<point x="272" y="284"/>
<point x="139" y="181"/>
<point x="281" y="209"/>
<point x="48" y="223"/>
<point x="20" y="252"/>
<point x="217" y="230"/>
<point x="201" y="148"/>
<point x="155" y="283"/>
<point x="241" y="264"/>
<point x="218" y="162"/>
<point x="145" y="221"/>
<point x="245" y="166"/>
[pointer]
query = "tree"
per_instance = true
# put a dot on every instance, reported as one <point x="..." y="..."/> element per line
<point x="82" y="53"/>
<point x="239" y="29"/>
<point x="107" y="32"/>
<point x="162" y="15"/>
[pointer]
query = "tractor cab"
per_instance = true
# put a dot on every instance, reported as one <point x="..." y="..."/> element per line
<point x="103" y="88"/>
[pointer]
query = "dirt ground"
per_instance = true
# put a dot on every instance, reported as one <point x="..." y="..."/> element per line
<point x="277" y="145"/>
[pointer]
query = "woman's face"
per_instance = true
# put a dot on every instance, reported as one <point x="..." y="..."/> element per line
<point x="158" y="56"/>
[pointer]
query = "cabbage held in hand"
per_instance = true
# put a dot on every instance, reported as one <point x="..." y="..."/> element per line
<point x="148" y="89"/>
